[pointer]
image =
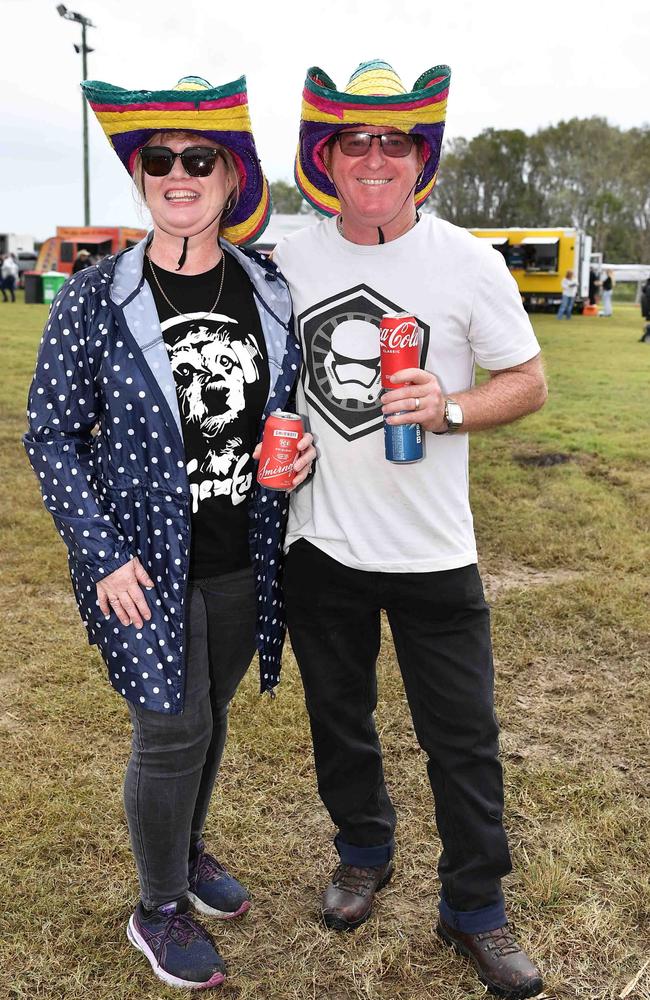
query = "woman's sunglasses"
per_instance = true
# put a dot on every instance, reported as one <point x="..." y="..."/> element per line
<point x="358" y="143"/>
<point x="198" y="161"/>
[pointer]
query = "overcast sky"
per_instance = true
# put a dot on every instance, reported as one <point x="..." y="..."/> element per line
<point x="514" y="65"/>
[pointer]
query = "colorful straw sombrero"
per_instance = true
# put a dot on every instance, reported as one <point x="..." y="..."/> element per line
<point x="131" y="117"/>
<point x="375" y="95"/>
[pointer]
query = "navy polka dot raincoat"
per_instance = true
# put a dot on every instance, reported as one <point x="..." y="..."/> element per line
<point x="106" y="444"/>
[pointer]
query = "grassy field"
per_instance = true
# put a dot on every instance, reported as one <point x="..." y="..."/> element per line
<point x="562" y="507"/>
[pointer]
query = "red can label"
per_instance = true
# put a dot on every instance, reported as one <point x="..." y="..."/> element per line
<point x="282" y="432"/>
<point x="399" y="343"/>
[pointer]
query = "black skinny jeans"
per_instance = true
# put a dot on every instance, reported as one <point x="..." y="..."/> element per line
<point x="175" y="758"/>
<point x="441" y="629"/>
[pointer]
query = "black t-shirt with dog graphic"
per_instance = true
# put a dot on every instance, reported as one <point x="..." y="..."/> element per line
<point x="220" y="365"/>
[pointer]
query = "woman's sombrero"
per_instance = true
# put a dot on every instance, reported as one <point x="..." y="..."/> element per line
<point x="131" y="117"/>
<point x="375" y="95"/>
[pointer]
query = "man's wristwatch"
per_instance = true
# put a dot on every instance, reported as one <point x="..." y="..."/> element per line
<point x="453" y="417"/>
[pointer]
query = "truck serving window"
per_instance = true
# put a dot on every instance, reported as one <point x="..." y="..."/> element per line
<point x="67" y="252"/>
<point x="540" y="253"/>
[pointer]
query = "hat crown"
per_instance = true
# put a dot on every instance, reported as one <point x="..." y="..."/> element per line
<point x="192" y="83"/>
<point x="375" y="78"/>
<point x="130" y="118"/>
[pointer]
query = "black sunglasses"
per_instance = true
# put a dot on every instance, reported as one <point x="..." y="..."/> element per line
<point x="198" y="161"/>
<point x="392" y="143"/>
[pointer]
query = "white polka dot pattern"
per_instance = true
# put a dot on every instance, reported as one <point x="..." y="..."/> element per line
<point x="104" y="440"/>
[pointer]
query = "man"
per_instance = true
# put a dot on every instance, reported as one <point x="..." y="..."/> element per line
<point x="366" y="535"/>
<point x="645" y="311"/>
<point x="9" y="273"/>
<point x="82" y="261"/>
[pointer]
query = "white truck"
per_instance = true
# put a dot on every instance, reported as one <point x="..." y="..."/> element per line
<point x="16" y="243"/>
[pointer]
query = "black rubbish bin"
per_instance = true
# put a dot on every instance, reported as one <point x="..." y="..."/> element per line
<point x="33" y="287"/>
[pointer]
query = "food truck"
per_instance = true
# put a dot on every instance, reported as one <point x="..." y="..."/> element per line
<point x="58" y="253"/>
<point x="539" y="260"/>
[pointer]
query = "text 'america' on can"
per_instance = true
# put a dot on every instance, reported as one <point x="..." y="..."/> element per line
<point x="282" y="432"/>
<point x="399" y="347"/>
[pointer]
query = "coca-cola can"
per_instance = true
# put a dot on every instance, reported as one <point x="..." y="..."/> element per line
<point x="399" y="343"/>
<point x="282" y="432"/>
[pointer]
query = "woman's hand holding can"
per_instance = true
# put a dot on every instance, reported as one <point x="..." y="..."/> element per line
<point x="284" y="463"/>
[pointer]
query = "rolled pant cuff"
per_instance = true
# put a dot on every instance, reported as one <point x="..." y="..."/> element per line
<point x="364" y="857"/>
<point x="487" y="918"/>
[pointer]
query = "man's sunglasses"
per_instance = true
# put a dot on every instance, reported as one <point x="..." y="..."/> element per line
<point x="198" y="161"/>
<point x="358" y="143"/>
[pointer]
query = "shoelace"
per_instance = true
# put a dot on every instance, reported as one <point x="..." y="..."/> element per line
<point x="182" y="929"/>
<point x="209" y="868"/>
<point x="500" y="941"/>
<point x="356" y="880"/>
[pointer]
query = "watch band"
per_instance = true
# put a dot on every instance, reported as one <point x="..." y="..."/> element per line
<point x="452" y="425"/>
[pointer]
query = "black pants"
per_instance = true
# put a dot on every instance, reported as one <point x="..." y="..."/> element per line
<point x="441" y="629"/>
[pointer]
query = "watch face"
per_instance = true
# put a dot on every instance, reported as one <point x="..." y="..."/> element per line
<point x="454" y="414"/>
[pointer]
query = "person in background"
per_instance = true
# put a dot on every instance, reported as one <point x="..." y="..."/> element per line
<point x="645" y="312"/>
<point x="82" y="260"/>
<point x="569" y="290"/>
<point x="176" y="350"/>
<point x="367" y="535"/>
<point x="9" y="277"/>
<point x="594" y="285"/>
<point x="608" y="291"/>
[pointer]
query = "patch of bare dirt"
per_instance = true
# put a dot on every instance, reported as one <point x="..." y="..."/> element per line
<point x="544" y="460"/>
<point x="523" y="577"/>
<point x="9" y="720"/>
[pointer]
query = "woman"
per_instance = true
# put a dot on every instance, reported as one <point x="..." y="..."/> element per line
<point x="569" y="291"/>
<point x="156" y="371"/>
<point x="608" y="291"/>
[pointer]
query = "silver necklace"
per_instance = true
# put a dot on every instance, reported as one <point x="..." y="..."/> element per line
<point x="171" y="304"/>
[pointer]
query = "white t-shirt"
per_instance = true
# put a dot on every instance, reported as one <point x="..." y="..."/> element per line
<point x="359" y="508"/>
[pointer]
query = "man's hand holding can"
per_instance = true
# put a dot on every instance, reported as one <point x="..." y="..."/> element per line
<point x="418" y="399"/>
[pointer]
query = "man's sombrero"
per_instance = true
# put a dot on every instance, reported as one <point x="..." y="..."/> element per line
<point x="375" y="95"/>
<point x="131" y="117"/>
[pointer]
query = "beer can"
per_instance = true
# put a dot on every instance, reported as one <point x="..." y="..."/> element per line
<point x="282" y="432"/>
<point x="399" y="344"/>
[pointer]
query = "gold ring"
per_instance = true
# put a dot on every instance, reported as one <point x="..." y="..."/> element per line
<point x="417" y="403"/>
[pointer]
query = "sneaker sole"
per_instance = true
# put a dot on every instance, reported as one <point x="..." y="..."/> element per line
<point x="138" y="942"/>
<point x="209" y="911"/>
<point x="532" y="989"/>
<point x="339" y="924"/>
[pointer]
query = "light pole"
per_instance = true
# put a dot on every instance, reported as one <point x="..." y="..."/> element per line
<point x="85" y="22"/>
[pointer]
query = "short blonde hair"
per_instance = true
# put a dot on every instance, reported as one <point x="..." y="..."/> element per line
<point x="225" y="154"/>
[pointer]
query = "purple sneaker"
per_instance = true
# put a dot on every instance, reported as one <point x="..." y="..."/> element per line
<point x="213" y="891"/>
<point x="180" y="951"/>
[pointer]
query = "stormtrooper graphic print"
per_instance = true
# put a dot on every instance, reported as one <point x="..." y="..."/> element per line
<point x="341" y="371"/>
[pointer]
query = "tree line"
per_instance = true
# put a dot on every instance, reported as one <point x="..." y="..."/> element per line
<point x="583" y="172"/>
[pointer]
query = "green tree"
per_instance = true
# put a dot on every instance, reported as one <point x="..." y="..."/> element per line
<point x="582" y="172"/>
<point x="286" y="198"/>
<point x="637" y="184"/>
<point x="486" y="181"/>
